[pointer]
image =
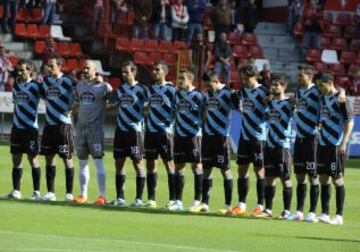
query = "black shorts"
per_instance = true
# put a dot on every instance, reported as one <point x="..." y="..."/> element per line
<point x="277" y="162"/>
<point x="128" y="144"/>
<point x="330" y="161"/>
<point x="216" y="151"/>
<point x="24" y="141"/>
<point x="187" y="149"/>
<point x="58" y="139"/>
<point x="251" y="152"/>
<point x="305" y="155"/>
<point x="159" y="144"/>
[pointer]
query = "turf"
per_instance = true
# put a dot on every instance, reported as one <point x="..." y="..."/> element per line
<point x="37" y="226"/>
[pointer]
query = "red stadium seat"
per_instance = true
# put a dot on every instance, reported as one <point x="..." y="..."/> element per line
<point x="120" y="30"/>
<point x="104" y="30"/>
<point x="22" y="15"/>
<point x="115" y="82"/>
<point x="136" y="44"/>
<point x="355" y="45"/>
<point x="327" y="18"/>
<point x="298" y="29"/>
<point x="351" y="32"/>
<point x="342" y="81"/>
<point x="170" y="58"/>
<point x="320" y="66"/>
<point x="240" y="51"/>
<point x="234" y="77"/>
<point x="325" y="42"/>
<point x="249" y="39"/>
<point x="352" y="69"/>
<point x="256" y="52"/>
<point x="32" y="31"/>
<point x="332" y="31"/>
<point x="122" y="44"/>
<point x="337" y="69"/>
<point x="153" y="57"/>
<point x="35" y="15"/>
<point x="20" y="30"/>
<point x="1" y="11"/>
<point x="140" y="58"/>
<point x="164" y="46"/>
<point x="130" y="17"/>
<point x="75" y="50"/>
<point x="71" y="65"/>
<point x="313" y="55"/>
<point x="208" y="25"/>
<point x="347" y="57"/>
<point x="339" y="44"/>
<point x="234" y="38"/>
<point x="44" y="31"/>
<point x="343" y="19"/>
<point x="63" y="49"/>
<point x="150" y="45"/>
<point x="40" y="46"/>
<point x="179" y="45"/>
<point x="13" y="59"/>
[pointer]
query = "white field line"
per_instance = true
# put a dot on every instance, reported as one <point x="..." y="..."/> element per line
<point x="119" y="241"/>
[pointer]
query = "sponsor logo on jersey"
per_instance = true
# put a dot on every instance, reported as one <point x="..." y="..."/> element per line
<point x="22" y="97"/>
<point x="248" y="105"/>
<point x="127" y="100"/>
<point x="302" y="104"/>
<point x="87" y="97"/>
<point x="53" y="92"/>
<point x="274" y="115"/>
<point x="213" y="104"/>
<point x="156" y="100"/>
<point x="184" y="106"/>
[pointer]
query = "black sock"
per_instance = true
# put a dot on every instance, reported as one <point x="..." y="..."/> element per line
<point x="50" y="178"/>
<point x="314" y="197"/>
<point x="243" y="188"/>
<point x="179" y="186"/>
<point x="36" y="175"/>
<point x="269" y="196"/>
<point x="206" y="188"/>
<point x="198" y="179"/>
<point x="119" y="182"/>
<point x="340" y="197"/>
<point x="171" y="186"/>
<point x="287" y="195"/>
<point x="325" y="198"/>
<point x="16" y="177"/>
<point x="151" y="180"/>
<point x="301" y="194"/>
<point x="228" y="188"/>
<point x="140" y="184"/>
<point x="69" y="174"/>
<point x="260" y="189"/>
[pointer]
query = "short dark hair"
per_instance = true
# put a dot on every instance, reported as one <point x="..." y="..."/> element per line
<point x="326" y="77"/>
<point x="29" y="65"/>
<point x="131" y="64"/>
<point x="279" y="78"/>
<point x="57" y="58"/>
<point x="308" y="69"/>
<point x="164" y="65"/>
<point x="211" y="75"/>
<point x="248" y="70"/>
<point x="190" y="75"/>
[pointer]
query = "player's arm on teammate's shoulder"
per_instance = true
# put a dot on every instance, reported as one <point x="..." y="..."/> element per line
<point x="112" y="100"/>
<point x="342" y="94"/>
<point x="347" y="112"/>
<point x="292" y="100"/>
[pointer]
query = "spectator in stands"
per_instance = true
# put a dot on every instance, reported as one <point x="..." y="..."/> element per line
<point x="250" y="16"/>
<point x="199" y="55"/>
<point x="221" y="18"/>
<point x="222" y="53"/>
<point x="180" y="19"/>
<point x="9" y="15"/>
<point x="265" y="75"/>
<point x="5" y="67"/>
<point x="98" y="13"/>
<point x="312" y="28"/>
<point x="50" y="49"/>
<point x="356" y="81"/>
<point x="143" y="11"/>
<point x="49" y="11"/>
<point x="295" y="12"/>
<point x="10" y="83"/>
<point x="196" y="9"/>
<point x="118" y="9"/>
<point x="161" y="18"/>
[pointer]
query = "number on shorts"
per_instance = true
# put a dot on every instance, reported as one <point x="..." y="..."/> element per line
<point x="32" y="145"/>
<point x="195" y="152"/>
<point x="333" y="166"/>
<point x="134" y="150"/>
<point x="258" y="157"/>
<point x="220" y="159"/>
<point x="97" y="147"/>
<point x="63" y="148"/>
<point x="310" y="166"/>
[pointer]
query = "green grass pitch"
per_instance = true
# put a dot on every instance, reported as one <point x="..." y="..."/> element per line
<point x="53" y="227"/>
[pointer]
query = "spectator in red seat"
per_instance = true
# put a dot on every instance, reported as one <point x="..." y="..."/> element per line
<point x="295" y="12"/>
<point x="180" y="20"/>
<point x="118" y="8"/>
<point x="199" y="55"/>
<point x="98" y="13"/>
<point x="143" y="11"/>
<point x="312" y="28"/>
<point x="250" y="16"/>
<point x="49" y="11"/>
<point x="10" y="12"/>
<point x="50" y="49"/>
<point x="5" y="68"/>
<point x="196" y="9"/>
<point x="161" y="18"/>
<point x="223" y="52"/>
<point x="221" y="17"/>
<point x="356" y="82"/>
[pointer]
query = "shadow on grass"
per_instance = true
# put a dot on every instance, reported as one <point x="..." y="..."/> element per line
<point x="314" y="238"/>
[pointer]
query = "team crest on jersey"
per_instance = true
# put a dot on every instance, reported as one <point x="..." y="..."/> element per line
<point x="22" y="97"/>
<point x="53" y="92"/>
<point x="274" y="115"/>
<point x="248" y="105"/>
<point x="127" y="100"/>
<point x="156" y="100"/>
<point x="184" y="106"/>
<point x="87" y="97"/>
<point x="302" y="104"/>
<point x="213" y="104"/>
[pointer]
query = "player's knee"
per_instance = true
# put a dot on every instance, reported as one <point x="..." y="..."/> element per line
<point x="16" y="159"/>
<point x="314" y="180"/>
<point x="286" y="183"/>
<point x="324" y="179"/>
<point x="270" y="181"/>
<point x="338" y="181"/>
<point x="197" y="170"/>
<point x="260" y="172"/>
<point x="180" y="171"/>
<point x="243" y="171"/>
<point x="207" y="173"/>
<point x="227" y="174"/>
<point x="301" y="178"/>
<point x="50" y="160"/>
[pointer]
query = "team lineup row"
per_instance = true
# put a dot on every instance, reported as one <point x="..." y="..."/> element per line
<point x="183" y="125"/>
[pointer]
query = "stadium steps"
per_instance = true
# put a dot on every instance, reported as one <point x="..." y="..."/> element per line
<point x="279" y="48"/>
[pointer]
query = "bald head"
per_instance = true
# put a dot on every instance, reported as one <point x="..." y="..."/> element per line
<point x="89" y="70"/>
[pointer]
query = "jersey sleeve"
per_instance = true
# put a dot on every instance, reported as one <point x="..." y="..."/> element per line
<point x="346" y="110"/>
